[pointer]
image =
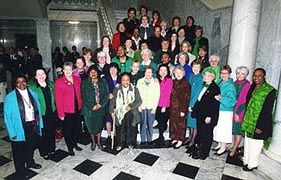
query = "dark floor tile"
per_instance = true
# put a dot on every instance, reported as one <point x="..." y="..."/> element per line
<point x="235" y="160"/>
<point x="4" y="160"/>
<point x="29" y="173"/>
<point x="125" y="176"/>
<point x="226" y="177"/>
<point x="87" y="167"/>
<point x="186" y="170"/>
<point x="146" y="158"/>
<point x="6" y="138"/>
<point x="59" y="155"/>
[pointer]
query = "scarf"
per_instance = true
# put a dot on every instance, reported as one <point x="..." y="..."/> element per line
<point x="22" y="110"/>
<point x="254" y="108"/>
<point x="122" y="103"/>
<point x="196" y="46"/>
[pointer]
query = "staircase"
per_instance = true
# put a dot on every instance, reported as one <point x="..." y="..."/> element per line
<point x="120" y="15"/>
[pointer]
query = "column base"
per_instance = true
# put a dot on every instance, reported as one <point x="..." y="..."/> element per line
<point x="272" y="155"/>
<point x="274" y="148"/>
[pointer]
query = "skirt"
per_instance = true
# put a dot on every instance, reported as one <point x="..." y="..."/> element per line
<point x="223" y="130"/>
<point x="236" y="128"/>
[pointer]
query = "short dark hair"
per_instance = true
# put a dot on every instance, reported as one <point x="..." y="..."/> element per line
<point x="199" y="28"/>
<point x="190" y="17"/>
<point x="34" y="73"/>
<point x="260" y="69"/>
<point x="19" y="76"/>
<point x="117" y="27"/>
<point x="113" y="64"/>
<point x="157" y="26"/>
<point x="226" y="68"/>
<point x="95" y="68"/>
<point x="196" y="61"/>
<point x="143" y="17"/>
<point x="82" y="58"/>
<point x="125" y="74"/>
<point x="174" y="18"/>
<point x="131" y="9"/>
<point x="168" y="71"/>
<point x="143" y="7"/>
<point x="156" y="12"/>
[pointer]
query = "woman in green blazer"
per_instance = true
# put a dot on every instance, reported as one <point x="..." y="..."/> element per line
<point x="45" y="92"/>
<point x="94" y="96"/>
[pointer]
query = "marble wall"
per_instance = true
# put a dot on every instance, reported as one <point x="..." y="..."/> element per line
<point x="64" y="34"/>
<point x="9" y="29"/>
<point x="44" y="43"/>
<point x="269" y="43"/>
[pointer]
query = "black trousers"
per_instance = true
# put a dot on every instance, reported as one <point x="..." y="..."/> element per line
<point x="23" y="150"/>
<point x="70" y="130"/>
<point x="162" y="119"/>
<point x="205" y="137"/>
<point x="126" y="133"/>
<point x="47" y="142"/>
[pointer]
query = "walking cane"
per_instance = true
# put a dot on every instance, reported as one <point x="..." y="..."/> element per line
<point x="113" y="132"/>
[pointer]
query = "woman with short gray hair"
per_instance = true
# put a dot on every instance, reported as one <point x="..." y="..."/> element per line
<point x="242" y="87"/>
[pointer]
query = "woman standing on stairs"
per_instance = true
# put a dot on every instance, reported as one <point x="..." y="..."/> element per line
<point x="163" y="108"/>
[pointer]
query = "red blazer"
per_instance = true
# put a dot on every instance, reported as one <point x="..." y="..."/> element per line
<point x="64" y="95"/>
<point x="157" y="23"/>
<point x="116" y="40"/>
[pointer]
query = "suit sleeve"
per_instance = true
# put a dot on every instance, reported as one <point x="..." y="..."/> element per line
<point x="59" y="99"/>
<point x="8" y="117"/>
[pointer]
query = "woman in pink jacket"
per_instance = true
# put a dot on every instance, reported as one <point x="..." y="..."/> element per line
<point x="163" y="108"/>
<point x="242" y="87"/>
<point x="68" y="101"/>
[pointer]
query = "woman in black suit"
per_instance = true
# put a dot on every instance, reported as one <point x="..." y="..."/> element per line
<point x="206" y="111"/>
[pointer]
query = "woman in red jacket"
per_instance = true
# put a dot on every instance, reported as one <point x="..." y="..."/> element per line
<point x="120" y="37"/>
<point x="68" y="101"/>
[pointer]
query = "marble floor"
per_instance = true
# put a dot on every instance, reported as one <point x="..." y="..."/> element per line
<point x="133" y="164"/>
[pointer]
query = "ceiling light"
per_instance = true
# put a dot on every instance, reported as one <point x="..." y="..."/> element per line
<point x="74" y="22"/>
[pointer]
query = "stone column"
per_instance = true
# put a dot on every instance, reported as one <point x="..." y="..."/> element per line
<point x="268" y="57"/>
<point x="98" y="34"/>
<point x="244" y="33"/>
<point x="274" y="150"/>
<point x="44" y="44"/>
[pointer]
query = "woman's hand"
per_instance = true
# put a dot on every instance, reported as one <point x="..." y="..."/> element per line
<point x="96" y="107"/>
<point x="190" y="109"/>
<point x="218" y="97"/>
<point x="110" y="96"/>
<point x="62" y="118"/>
<point x="153" y="111"/>
<point x="236" y="118"/>
<point x="182" y="114"/>
<point x="163" y="109"/>
<point x="207" y="120"/>
<point x="258" y="131"/>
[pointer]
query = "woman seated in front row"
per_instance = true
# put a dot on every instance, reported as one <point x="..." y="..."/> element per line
<point x="124" y="110"/>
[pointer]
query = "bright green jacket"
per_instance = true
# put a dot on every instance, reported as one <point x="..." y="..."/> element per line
<point x="35" y="87"/>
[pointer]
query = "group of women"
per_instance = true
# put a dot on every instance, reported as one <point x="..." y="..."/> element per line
<point x="113" y="89"/>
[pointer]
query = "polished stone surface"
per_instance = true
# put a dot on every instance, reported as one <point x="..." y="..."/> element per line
<point x="146" y="164"/>
<point x="244" y="33"/>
